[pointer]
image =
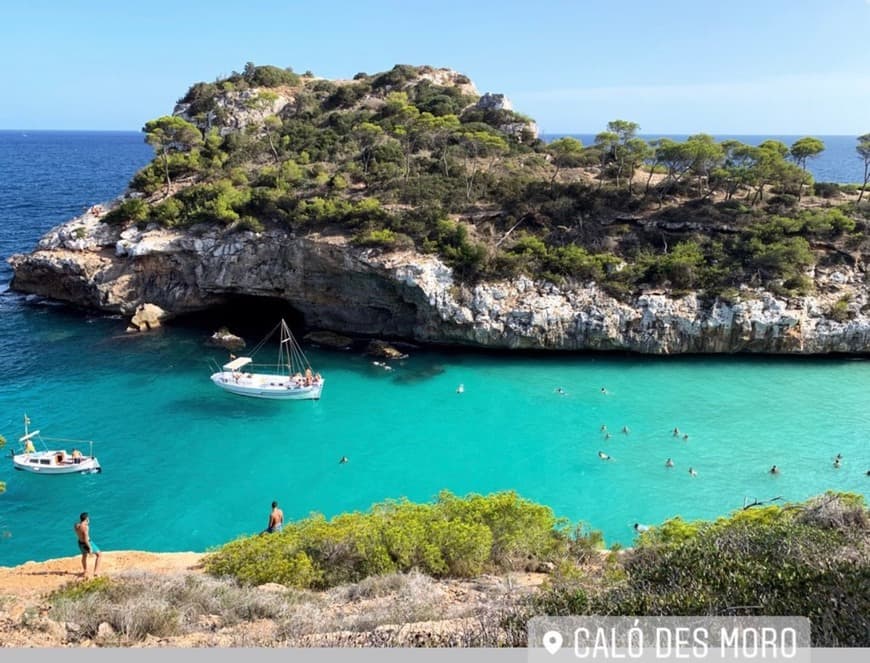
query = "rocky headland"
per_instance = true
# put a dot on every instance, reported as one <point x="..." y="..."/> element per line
<point x="316" y="193"/>
<point x="405" y="294"/>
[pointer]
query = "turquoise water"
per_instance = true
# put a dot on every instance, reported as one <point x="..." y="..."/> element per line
<point x="187" y="466"/>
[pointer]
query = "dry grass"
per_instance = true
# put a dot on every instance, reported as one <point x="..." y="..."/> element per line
<point x="194" y="610"/>
<point x="138" y="605"/>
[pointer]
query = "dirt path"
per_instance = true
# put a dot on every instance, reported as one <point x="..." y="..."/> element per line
<point x="36" y="578"/>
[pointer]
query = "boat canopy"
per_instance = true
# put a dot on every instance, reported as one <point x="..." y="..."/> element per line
<point x="236" y="364"/>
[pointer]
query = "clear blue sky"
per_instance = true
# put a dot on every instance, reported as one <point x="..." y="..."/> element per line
<point x="673" y="66"/>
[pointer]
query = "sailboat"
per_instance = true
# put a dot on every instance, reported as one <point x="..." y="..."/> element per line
<point x="290" y="379"/>
<point x="52" y="461"/>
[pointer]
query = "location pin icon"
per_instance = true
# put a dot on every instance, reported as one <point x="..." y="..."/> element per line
<point x="552" y="641"/>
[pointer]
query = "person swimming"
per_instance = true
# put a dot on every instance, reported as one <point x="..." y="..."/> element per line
<point x="669" y="463"/>
<point x="692" y="472"/>
<point x="343" y="460"/>
<point x="603" y="390"/>
<point x="603" y="427"/>
<point x="837" y="463"/>
<point x="560" y="391"/>
<point x="603" y="456"/>
<point x="607" y="436"/>
<point x="774" y="470"/>
<point x="676" y="432"/>
<point x="686" y="437"/>
<point x="625" y="430"/>
<point x="460" y="389"/>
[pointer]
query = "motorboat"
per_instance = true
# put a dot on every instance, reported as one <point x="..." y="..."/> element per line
<point x="46" y="460"/>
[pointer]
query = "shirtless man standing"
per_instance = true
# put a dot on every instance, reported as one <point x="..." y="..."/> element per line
<point x="276" y="519"/>
<point x="86" y="546"/>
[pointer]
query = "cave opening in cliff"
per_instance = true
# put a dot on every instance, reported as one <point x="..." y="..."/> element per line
<point x="248" y="316"/>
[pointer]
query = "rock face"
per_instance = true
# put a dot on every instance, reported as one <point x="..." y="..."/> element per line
<point x="407" y="295"/>
<point x="223" y="338"/>
<point x="146" y="318"/>
<point x="237" y="111"/>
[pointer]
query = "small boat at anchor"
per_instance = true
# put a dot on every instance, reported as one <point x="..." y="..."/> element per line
<point x="292" y="378"/>
<point x="53" y="461"/>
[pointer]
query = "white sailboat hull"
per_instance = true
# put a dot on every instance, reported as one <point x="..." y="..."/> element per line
<point x="260" y="385"/>
<point x="45" y="462"/>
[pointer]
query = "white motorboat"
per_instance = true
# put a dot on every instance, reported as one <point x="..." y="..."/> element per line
<point x="290" y="379"/>
<point x="53" y="461"/>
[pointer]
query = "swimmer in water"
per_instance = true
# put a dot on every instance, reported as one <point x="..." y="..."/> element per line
<point x="669" y="463"/>
<point x="603" y="427"/>
<point x="686" y="437"/>
<point x="676" y="432"/>
<point x="603" y="390"/>
<point x="460" y="389"/>
<point x="692" y="472"/>
<point x="343" y="460"/>
<point x="837" y="463"/>
<point x="607" y="436"/>
<point x="774" y="470"/>
<point x="625" y="430"/>
<point x="603" y="456"/>
<point x="560" y="391"/>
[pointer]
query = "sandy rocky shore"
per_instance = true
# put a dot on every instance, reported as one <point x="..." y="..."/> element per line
<point x="411" y="610"/>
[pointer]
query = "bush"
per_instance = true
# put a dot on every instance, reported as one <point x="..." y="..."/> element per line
<point x="456" y="537"/>
<point x="801" y="560"/>
<point x="132" y="210"/>
<point x="839" y="311"/>
<point x="826" y="189"/>
<point x="383" y="238"/>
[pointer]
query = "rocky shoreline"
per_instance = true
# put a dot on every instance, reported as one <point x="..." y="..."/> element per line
<point x="407" y="295"/>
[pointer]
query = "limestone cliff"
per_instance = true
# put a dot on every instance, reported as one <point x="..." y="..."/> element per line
<point x="405" y="294"/>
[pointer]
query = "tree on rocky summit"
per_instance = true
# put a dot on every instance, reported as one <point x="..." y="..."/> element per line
<point x="566" y="153"/>
<point x="170" y="134"/>
<point x="803" y="149"/>
<point x="863" y="150"/>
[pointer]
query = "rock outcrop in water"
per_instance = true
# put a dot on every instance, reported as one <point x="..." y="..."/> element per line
<point x="405" y="294"/>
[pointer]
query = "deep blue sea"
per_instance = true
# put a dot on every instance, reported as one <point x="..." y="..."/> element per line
<point x="187" y="467"/>
<point x="838" y="163"/>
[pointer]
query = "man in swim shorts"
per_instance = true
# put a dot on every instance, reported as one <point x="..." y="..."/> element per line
<point x="276" y="520"/>
<point x="86" y="546"/>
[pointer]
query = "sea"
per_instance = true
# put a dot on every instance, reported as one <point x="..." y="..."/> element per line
<point x="187" y="467"/>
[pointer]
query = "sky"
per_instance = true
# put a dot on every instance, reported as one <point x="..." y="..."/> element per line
<point x="673" y="66"/>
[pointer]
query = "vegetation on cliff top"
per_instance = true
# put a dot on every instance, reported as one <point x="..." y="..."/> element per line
<point x="808" y="559"/>
<point x="415" y="157"/>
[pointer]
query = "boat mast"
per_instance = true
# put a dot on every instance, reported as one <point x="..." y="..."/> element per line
<point x="297" y="362"/>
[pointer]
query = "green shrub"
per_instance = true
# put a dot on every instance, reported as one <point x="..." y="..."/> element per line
<point x="383" y="238"/>
<point x="801" y="560"/>
<point x="251" y="223"/>
<point x="839" y="310"/>
<point x="131" y="210"/>
<point x="457" y="537"/>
